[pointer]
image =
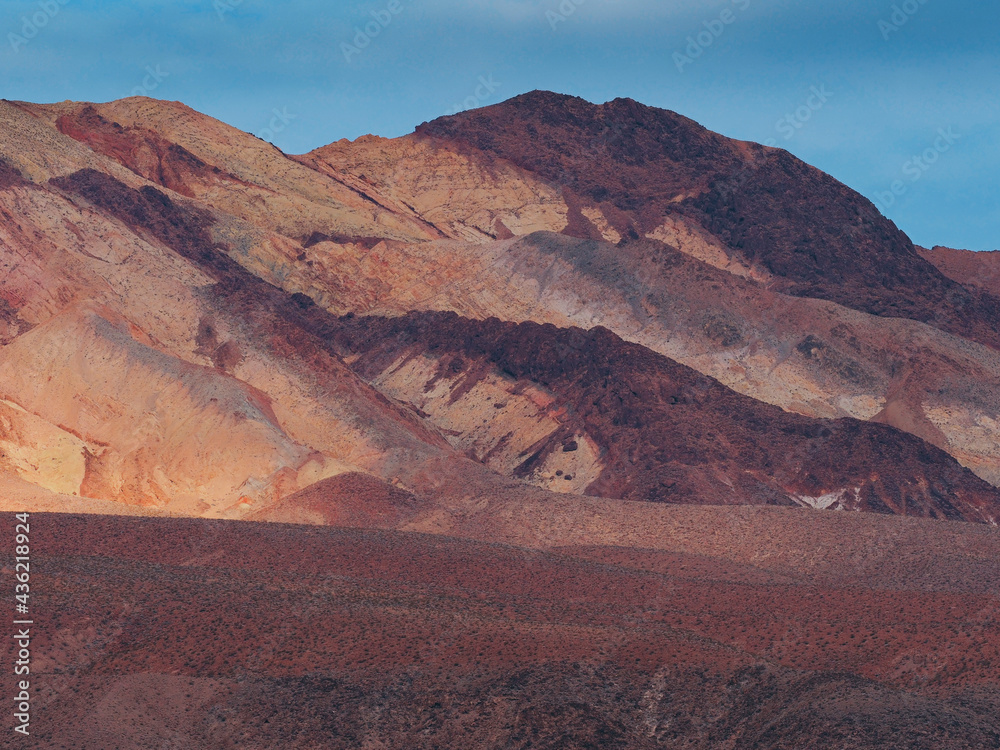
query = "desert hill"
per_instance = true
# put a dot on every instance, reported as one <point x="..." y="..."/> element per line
<point x="198" y="278"/>
<point x="549" y="425"/>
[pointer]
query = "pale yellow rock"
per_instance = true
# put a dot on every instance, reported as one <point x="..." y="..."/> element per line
<point x="84" y="370"/>
<point x="20" y="496"/>
<point x="689" y="238"/>
<point x="39" y="452"/>
<point x="490" y="419"/>
<point x="599" y="220"/>
<point x="460" y="197"/>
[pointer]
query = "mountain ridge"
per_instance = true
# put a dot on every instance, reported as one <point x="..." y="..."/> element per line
<point x="440" y="224"/>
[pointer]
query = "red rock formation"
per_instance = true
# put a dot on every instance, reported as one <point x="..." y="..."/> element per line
<point x="666" y="433"/>
<point x="349" y="500"/>
<point x="814" y="235"/>
<point x="974" y="270"/>
<point x="482" y="351"/>
<point x="258" y="298"/>
<point x="143" y="151"/>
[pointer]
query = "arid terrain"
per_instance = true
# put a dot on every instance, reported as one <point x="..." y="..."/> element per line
<point x="787" y="629"/>
<point x="549" y="425"/>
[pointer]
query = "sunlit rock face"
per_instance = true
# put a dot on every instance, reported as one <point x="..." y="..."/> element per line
<point x="193" y="322"/>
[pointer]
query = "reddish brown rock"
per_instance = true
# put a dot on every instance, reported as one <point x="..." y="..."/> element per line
<point x="349" y="500"/>
<point x="666" y="433"/>
<point x="814" y="235"/>
<point x="10" y="175"/>
<point x="975" y="270"/>
<point x="141" y="150"/>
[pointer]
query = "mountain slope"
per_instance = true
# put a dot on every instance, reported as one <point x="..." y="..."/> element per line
<point x="971" y="269"/>
<point x="144" y="367"/>
<point x="807" y="356"/>
<point x="627" y="423"/>
<point x="208" y="252"/>
<point x="795" y="351"/>
<point x="814" y="236"/>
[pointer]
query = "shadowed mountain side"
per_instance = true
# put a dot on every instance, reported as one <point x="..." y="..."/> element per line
<point x="656" y="430"/>
<point x="812" y="235"/>
<point x="973" y="270"/>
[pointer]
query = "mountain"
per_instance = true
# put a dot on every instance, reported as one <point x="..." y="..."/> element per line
<point x="974" y="270"/>
<point x="632" y="183"/>
<point x="214" y="250"/>
<point x="550" y="424"/>
<point x="646" y="169"/>
<point x="161" y="367"/>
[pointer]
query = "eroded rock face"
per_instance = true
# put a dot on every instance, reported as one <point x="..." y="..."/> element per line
<point x="141" y="150"/>
<point x="463" y="196"/>
<point x="158" y="235"/>
<point x="129" y="406"/>
<point x="144" y="367"/>
<point x="807" y="356"/>
<point x="661" y="431"/>
<point x="812" y="235"/>
<point x="690" y="190"/>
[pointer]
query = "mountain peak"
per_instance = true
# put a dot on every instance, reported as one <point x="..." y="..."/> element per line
<point x="572" y="111"/>
<point x="645" y="167"/>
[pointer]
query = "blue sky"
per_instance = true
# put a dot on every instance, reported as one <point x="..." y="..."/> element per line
<point x="891" y="75"/>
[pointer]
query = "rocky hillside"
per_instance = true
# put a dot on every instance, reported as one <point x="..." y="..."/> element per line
<point x="645" y="169"/>
<point x="584" y="411"/>
<point x="549" y="425"/>
<point x="202" y="285"/>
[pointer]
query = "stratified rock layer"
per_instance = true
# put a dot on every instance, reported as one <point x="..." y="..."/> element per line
<point x="193" y="274"/>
